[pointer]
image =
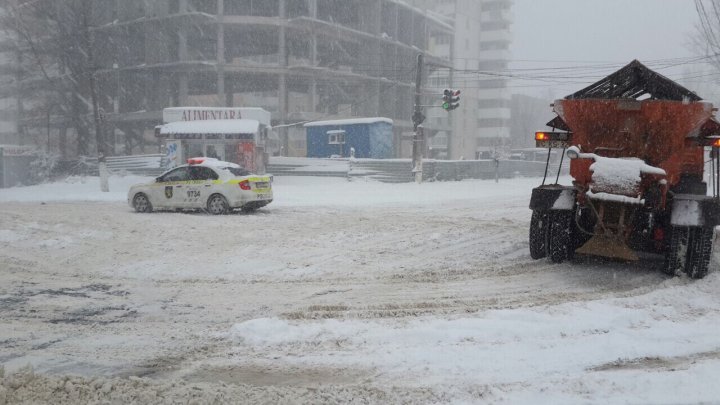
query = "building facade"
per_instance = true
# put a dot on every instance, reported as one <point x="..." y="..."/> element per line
<point x="479" y="49"/>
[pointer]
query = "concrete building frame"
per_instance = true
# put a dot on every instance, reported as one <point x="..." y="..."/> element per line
<point x="302" y="60"/>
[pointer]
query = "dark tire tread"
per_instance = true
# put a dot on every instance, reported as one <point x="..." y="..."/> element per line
<point x="538" y="234"/>
<point x="560" y="245"/>
<point x="700" y="251"/>
<point x="148" y="208"/>
<point x="676" y="255"/>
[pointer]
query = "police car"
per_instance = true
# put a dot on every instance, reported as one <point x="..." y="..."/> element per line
<point x="204" y="183"/>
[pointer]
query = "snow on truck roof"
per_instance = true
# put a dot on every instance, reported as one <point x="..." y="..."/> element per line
<point x="242" y="126"/>
<point x="350" y="121"/>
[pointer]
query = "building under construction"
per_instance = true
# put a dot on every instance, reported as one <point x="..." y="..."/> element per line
<point x="301" y="60"/>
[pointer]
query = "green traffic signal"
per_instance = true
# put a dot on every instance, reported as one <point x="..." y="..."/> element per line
<point x="451" y="99"/>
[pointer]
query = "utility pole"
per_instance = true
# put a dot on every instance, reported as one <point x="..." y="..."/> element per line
<point x="98" y="117"/>
<point x="418" y="118"/>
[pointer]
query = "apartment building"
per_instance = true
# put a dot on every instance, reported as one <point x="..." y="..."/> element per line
<point x="479" y="49"/>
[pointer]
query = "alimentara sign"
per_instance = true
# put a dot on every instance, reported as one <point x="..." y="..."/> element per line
<point x="201" y="114"/>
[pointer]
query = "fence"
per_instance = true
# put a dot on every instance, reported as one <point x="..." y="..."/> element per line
<point x="400" y="170"/>
<point x="143" y="165"/>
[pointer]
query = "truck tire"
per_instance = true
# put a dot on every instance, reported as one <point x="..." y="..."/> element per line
<point x="560" y="244"/>
<point x="677" y="253"/>
<point x="538" y="234"/>
<point x="699" y="251"/>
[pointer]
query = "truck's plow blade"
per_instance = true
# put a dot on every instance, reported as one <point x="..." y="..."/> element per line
<point x="608" y="246"/>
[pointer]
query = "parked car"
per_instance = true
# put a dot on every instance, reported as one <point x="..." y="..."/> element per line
<point x="205" y="184"/>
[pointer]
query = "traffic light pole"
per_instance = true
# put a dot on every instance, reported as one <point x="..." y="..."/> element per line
<point x="418" y="118"/>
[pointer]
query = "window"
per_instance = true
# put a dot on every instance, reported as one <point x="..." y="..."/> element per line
<point x="179" y="174"/>
<point x="203" y="173"/>
<point x="336" y="137"/>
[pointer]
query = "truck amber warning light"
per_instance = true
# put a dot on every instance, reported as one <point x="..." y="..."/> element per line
<point x="552" y="139"/>
<point x="551" y="136"/>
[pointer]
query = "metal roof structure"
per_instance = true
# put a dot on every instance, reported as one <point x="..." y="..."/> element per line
<point x="636" y="82"/>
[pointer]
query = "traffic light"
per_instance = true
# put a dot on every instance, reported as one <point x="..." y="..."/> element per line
<point x="451" y="99"/>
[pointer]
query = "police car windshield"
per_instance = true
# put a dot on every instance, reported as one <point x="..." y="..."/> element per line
<point x="236" y="171"/>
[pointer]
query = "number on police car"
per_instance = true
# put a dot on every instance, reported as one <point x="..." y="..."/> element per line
<point x="193" y="193"/>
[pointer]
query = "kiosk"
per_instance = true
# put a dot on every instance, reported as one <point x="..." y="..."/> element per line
<point x="238" y="135"/>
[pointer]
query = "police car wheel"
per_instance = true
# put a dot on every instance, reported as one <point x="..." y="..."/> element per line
<point x="217" y="205"/>
<point x="141" y="203"/>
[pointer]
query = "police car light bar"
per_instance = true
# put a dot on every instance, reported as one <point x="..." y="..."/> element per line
<point x="195" y="161"/>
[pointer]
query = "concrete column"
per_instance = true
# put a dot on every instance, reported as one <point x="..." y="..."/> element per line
<point x="312" y="6"/>
<point x="377" y="55"/>
<point x="182" y="56"/>
<point x="282" y="80"/>
<point x="19" y="107"/>
<point x="222" y="98"/>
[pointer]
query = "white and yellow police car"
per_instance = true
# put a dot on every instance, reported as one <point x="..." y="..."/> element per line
<point x="204" y="183"/>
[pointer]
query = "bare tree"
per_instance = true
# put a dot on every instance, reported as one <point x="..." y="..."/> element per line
<point x="529" y="115"/>
<point x="54" y="43"/>
<point x="707" y="39"/>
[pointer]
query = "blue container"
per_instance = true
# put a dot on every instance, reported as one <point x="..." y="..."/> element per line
<point x="370" y="137"/>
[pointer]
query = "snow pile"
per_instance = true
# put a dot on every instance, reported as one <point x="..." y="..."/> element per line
<point x="622" y="199"/>
<point x="74" y="188"/>
<point x="298" y="191"/>
<point x="29" y="388"/>
<point x="222" y="127"/>
<point x="620" y="176"/>
<point x="574" y="342"/>
<point x="310" y="164"/>
<point x="349" y="121"/>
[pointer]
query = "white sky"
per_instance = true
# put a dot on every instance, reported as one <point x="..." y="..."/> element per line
<point x="566" y="33"/>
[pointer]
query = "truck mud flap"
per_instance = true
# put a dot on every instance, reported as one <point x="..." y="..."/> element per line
<point x="695" y="210"/>
<point x="545" y="198"/>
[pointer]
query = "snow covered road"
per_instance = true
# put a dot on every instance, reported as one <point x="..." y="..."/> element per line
<point x="337" y="292"/>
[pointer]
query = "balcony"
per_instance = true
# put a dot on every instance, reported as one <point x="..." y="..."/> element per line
<point x="505" y="16"/>
<point x="495" y="54"/>
<point x="499" y="35"/>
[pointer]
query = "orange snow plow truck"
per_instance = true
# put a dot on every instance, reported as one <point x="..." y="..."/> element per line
<point x="637" y="148"/>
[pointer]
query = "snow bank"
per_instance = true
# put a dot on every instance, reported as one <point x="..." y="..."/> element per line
<point x="75" y="188"/>
<point x="574" y="341"/>
<point x="349" y="121"/>
<point x="29" y="388"/>
<point x="293" y="191"/>
<point x="222" y="127"/>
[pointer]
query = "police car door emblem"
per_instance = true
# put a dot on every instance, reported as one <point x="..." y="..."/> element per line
<point x="168" y="191"/>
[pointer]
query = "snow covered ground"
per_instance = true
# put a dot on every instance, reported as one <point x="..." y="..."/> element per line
<point x="337" y="292"/>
